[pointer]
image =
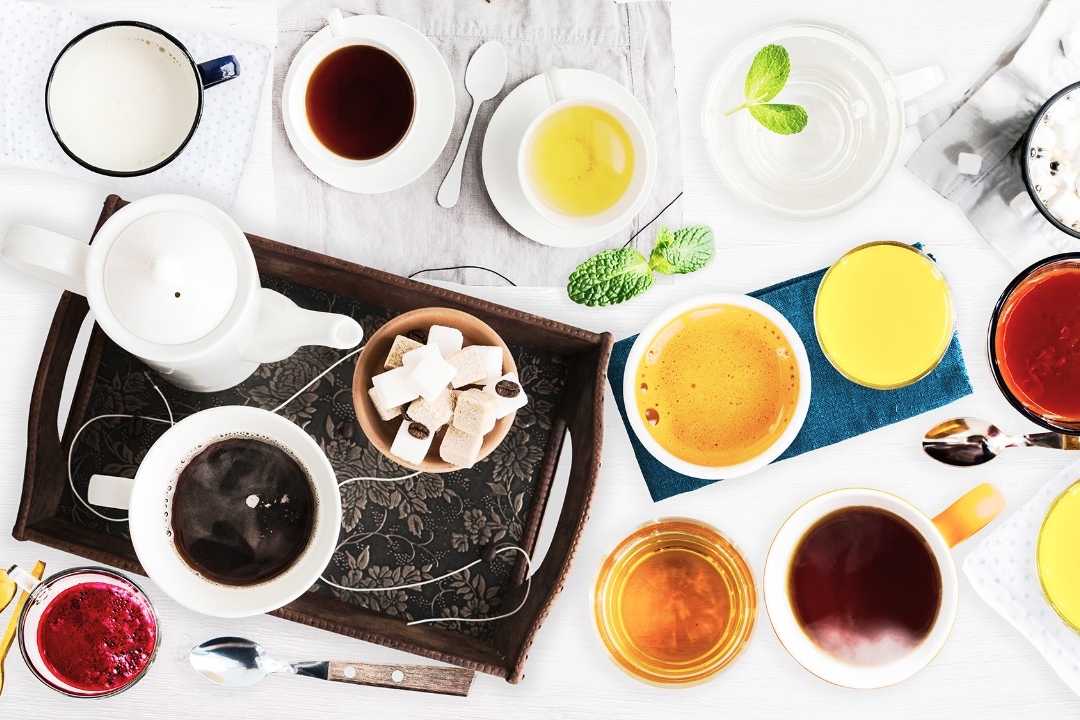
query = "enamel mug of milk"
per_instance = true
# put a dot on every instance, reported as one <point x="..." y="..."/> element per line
<point x="124" y="98"/>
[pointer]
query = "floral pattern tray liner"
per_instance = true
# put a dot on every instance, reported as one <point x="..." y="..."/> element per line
<point x="392" y="533"/>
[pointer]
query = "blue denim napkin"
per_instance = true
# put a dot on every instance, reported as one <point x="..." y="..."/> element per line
<point x="839" y="408"/>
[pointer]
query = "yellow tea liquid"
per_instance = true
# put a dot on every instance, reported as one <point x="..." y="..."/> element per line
<point x="884" y="315"/>
<point x="581" y="160"/>
<point x="674" y="602"/>
<point x="718" y="385"/>
<point x="1057" y="553"/>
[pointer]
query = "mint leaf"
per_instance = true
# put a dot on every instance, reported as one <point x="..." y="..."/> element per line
<point x="683" y="251"/>
<point x="658" y="260"/>
<point x="779" y="118"/>
<point x="610" y="277"/>
<point x="768" y="73"/>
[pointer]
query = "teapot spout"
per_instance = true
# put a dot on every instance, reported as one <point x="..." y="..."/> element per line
<point x="283" y="327"/>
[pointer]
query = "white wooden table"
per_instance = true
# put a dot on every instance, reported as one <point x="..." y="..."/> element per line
<point x="987" y="670"/>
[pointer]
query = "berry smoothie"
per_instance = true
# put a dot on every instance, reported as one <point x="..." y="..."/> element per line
<point x="97" y="636"/>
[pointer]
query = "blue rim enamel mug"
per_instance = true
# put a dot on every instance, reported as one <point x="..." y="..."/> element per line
<point x="124" y="98"/>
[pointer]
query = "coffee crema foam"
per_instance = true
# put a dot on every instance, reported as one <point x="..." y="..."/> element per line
<point x="235" y="545"/>
<point x="718" y="385"/>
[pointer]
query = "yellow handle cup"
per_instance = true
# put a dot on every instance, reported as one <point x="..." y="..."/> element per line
<point x="969" y="514"/>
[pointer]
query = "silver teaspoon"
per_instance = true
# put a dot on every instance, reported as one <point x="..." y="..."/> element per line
<point x="237" y="662"/>
<point x="968" y="441"/>
<point x="484" y="78"/>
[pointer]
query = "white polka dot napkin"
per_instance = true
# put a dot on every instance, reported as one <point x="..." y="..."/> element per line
<point x="1002" y="570"/>
<point x="32" y="35"/>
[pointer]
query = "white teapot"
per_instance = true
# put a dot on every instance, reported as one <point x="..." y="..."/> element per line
<point x="172" y="280"/>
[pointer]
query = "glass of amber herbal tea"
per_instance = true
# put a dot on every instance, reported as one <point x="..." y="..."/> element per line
<point x="674" y="602"/>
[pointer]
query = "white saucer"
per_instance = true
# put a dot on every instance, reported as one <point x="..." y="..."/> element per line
<point x="504" y="134"/>
<point x="435" y="109"/>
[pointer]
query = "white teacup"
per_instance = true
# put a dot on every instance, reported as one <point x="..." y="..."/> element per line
<point x="953" y="525"/>
<point x="341" y="37"/>
<point x="148" y="499"/>
<point x="623" y="209"/>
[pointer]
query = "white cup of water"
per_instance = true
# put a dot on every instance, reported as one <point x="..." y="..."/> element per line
<point x="856" y="119"/>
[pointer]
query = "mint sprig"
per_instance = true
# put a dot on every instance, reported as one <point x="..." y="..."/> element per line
<point x="615" y="276"/>
<point x="767" y="76"/>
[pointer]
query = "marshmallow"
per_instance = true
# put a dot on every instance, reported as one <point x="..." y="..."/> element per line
<point x="394" y="388"/>
<point x="433" y="413"/>
<point x="460" y="449"/>
<point x="415" y="356"/>
<point x="508" y="394"/>
<point x="448" y="340"/>
<point x="968" y="163"/>
<point x="386" y="413"/>
<point x="430" y="376"/>
<point x="412" y="442"/>
<point x="401" y="346"/>
<point x="1065" y="207"/>
<point x="474" y="413"/>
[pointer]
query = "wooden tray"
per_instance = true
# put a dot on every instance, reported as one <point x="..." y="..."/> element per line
<point x="569" y="385"/>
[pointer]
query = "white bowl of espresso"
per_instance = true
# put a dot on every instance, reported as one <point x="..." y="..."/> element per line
<point x="233" y="512"/>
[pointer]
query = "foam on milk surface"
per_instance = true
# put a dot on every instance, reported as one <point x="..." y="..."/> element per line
<point x="122" y="100"/>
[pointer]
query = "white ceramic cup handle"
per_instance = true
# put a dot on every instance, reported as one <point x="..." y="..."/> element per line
<point x="336" y="22"/>
<point x="110" y="491"/>
<point x="57" y="259"/>
<point x="552" y="82"/>
<point x="915" y="84"/>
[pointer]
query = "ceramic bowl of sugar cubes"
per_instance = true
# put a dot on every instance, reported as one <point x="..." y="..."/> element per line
<point x="436" y="390"/>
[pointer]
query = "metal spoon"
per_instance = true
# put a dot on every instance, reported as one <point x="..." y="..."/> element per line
<point x="237" y="662"/>
<point x="968" y="441"/>
<point x="484" y="78"/>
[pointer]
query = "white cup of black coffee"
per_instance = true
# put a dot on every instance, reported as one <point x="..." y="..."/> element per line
<point x="355" y="102"/>
<point x="234" y="511"/>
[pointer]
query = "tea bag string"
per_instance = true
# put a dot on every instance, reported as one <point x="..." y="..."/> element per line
<point x="408" y="586"/>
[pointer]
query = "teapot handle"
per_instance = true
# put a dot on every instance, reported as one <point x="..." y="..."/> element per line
<point x="57" y="259"/>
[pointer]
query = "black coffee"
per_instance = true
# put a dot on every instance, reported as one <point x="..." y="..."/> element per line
<point x="242" y="512"/>
<point x="359" y="102"/>
<point x="864" y="585"/>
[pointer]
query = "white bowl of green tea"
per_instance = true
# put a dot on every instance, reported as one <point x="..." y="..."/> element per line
<point x="717" y="386"/>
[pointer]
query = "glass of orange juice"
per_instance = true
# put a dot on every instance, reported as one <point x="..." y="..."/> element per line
<point x="674" y="602"/>
<point x="884" y="315"/>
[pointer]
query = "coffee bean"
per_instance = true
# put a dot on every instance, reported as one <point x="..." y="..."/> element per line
<point x="507" y="389"/>
<point x="346" y="429"/>
<point x="418" y="431"/>
<point x="488" y="553"/>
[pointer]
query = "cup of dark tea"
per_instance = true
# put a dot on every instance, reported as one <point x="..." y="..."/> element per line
<point x="861" y="587"/>
<point x="356" y="99"/>
<point x="234" y="511"/>
<point x="1034" y="343"/>
<point x="87" y="631"/>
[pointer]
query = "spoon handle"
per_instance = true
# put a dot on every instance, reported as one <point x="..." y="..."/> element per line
<point x="1056" y="441"/>
<point x="424" y="678"/>
<point x="450" y="190"/>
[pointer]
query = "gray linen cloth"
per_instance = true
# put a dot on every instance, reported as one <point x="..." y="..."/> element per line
<point x="405" y="230"/>
<point x="990" y="121"/>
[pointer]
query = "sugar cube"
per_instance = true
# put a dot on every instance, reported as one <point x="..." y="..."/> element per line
<point x="386" y="413"/>
<point x="433" y="413"/>
<point x="394" y="387"/>
<point x="417" y="355"/>
<point x="468" y="367"/>
<point x="1022" y="205"/>
<point x="430" y="376"/>
<point x="508" y="394"/>
<point x="401" y="346"/>
<point x="474" y="413"/>
<point x="968" y="163"/>
<point x="492" y="357"/>
<point x="1066" y="207"/>
<point x="447" y="339"/>
<point x="412" y="442"/>
<point x="459" y="448"/>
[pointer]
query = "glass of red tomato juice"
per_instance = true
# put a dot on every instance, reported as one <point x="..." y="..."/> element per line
<point x="1034" y="343"/>
<point x="86" y="632"/>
